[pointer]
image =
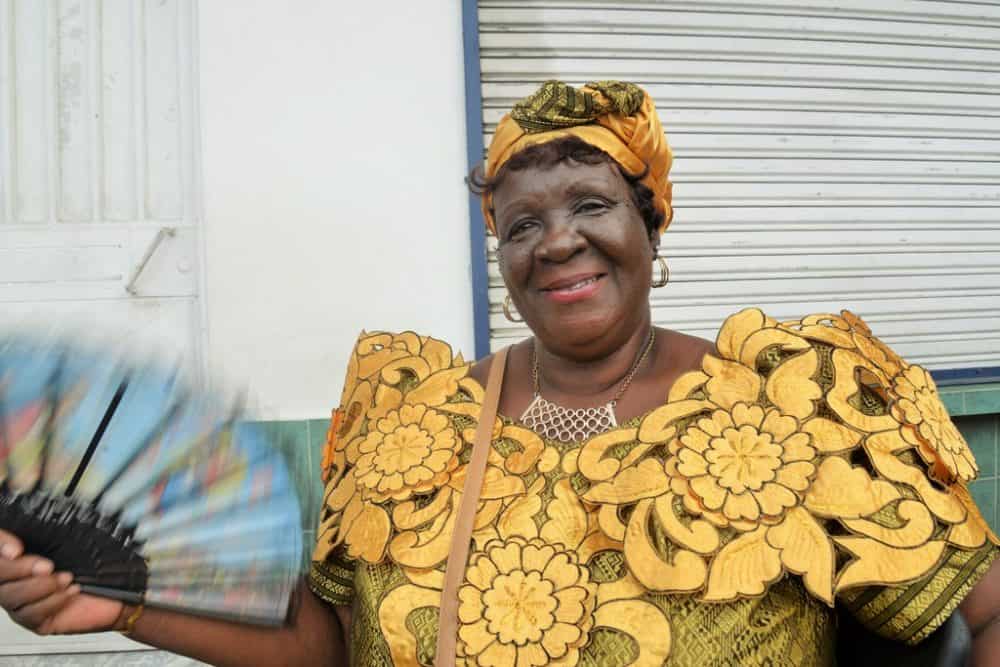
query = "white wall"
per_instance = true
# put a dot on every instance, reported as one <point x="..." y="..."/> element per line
<point x="333" y="145"/>
<point x="334" y="151"/>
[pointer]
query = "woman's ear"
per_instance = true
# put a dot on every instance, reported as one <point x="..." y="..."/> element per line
<point x="654" y="242"/>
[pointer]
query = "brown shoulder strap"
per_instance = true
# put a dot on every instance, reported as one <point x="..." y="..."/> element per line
<point x="458" y="557"/>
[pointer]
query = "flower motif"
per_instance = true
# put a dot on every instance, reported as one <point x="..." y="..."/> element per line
<point x="855" y="323"/>
<point x="758" y="469"/>
<point x="374" y="351"/>
<point x="881" y="354"/>
<point x="747" y="464"/>
<point x="526" y="603"/>
<point x="919" y="407"/>
<point x="528" y="598"/>
<point x="849" y="331"/>
<point x="410" y="450"/>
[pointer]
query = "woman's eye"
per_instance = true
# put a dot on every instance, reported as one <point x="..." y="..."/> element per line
<point x="518" y="228"/>
<point x="591" y="206"/>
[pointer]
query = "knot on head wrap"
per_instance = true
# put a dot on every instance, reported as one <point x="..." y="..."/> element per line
<point x="616" y="116"/>
<point x="556" y="105"/>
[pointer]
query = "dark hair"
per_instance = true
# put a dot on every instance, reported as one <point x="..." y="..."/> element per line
<point x="569" y="149"/>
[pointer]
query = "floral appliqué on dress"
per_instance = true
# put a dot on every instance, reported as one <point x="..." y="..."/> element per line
<point x="802" y="449"/>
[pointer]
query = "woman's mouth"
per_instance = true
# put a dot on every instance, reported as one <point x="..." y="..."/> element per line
<point x="573" y="289"/>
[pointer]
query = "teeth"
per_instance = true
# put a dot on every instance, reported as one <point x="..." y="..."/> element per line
<point x="576" y="286"/>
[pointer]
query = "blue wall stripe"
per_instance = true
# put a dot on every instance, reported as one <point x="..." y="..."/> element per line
<point x="474" y="156"/>
<point x="959" y="376"/>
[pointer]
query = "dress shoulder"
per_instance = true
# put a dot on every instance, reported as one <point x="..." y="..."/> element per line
<point x="803" y="448"/>
<point x="399" y="387"/>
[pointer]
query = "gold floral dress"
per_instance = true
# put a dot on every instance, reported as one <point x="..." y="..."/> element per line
<point x="805" y="465"/>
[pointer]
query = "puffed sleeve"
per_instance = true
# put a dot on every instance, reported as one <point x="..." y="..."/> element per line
<point x="331" y="575"/>
<point x="909" y="613"/>
<point x="865" y="489"/>
<point x="906" y="568"/>
<point x="332" y="579"/>
<point x="354" y="526"/>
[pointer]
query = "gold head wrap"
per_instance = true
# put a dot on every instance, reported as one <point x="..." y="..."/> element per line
<point x="616" y="116"/>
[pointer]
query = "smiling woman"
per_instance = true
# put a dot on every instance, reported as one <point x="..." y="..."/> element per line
<point x="641" y="497"/>
<point x="648" y="497"/>
<point x="554" y="215"/>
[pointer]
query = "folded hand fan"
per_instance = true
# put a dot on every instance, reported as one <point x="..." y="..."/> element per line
<point x="144" y="488"/>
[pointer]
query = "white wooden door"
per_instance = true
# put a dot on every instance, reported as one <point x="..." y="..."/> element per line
<point x="98" y="159"/>
<point x="98" y="131"/>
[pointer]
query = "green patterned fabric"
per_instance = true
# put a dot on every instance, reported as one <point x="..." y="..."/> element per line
<point x="557" y="105"/>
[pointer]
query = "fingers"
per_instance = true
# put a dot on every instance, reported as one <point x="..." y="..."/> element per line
<point x="24" y="567"/>
<point x="30" y="591"/>
<point x="10" y="546"/>
<point x="35" y="614"/>
<point x="23" y="592"/>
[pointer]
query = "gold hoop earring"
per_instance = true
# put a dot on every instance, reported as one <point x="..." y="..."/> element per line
<point x="664" y="273"/>
<point x="506" y="310"/>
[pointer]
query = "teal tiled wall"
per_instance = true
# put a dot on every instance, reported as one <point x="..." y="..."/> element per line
<point x="973" y="399"/>
<point x="976" y="411"/>
<point x="980" y="432"/>
<point x="975" y="408"/>
<point x="302" y="444"/>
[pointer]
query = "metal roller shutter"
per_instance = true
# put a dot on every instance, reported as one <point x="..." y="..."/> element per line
<point x="826" y="157"/>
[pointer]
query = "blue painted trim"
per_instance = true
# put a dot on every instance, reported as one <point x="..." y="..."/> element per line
<point x="959" y="376"/>
<point x="474" y="156"/>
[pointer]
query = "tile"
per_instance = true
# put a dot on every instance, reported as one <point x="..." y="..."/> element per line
<point x="984" y="492"/>
<point x="980" y="432"/>
<point x="983" y="401"/>
<point x="308" y="541"/>
<point x="292" y="440"/>
<point x="317" y="439"/>
<point x="954" y="401"/>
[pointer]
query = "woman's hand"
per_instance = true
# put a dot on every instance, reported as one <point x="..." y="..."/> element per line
<point x="48" y="602"/>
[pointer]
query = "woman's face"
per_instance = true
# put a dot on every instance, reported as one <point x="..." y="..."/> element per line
<point x="575" y="255"/>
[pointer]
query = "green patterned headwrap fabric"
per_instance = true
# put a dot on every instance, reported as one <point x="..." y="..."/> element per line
<point x="557" y="105"/>
<point x="617" y="117"/>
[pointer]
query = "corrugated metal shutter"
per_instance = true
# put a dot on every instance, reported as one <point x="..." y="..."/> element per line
<point x="97" y="156"/>
<point x="826" y="156"/>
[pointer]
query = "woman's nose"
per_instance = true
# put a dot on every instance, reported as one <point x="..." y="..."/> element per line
<point x="560" y="241"/>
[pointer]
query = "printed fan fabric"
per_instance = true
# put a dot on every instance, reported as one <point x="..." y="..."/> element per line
<point x="804" y="462"/>
<point x="142" y="486"/>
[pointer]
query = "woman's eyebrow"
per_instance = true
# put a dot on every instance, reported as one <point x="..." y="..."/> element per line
<point x="588" y="187"/>
<point x="514" y="207"/>
<point x="575" y="188"/>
